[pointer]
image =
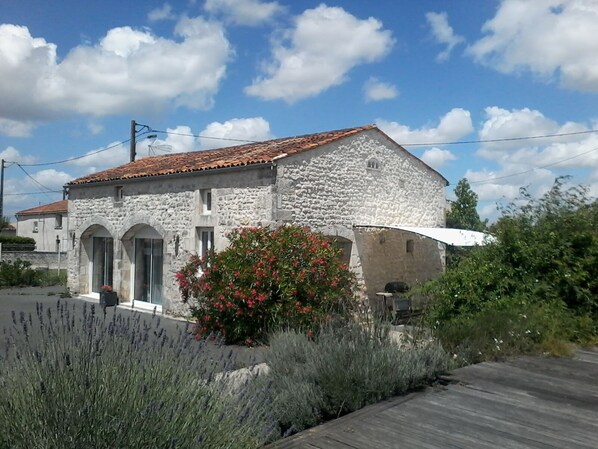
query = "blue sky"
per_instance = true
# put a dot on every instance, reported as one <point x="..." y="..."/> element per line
<point x="74" y="74"/>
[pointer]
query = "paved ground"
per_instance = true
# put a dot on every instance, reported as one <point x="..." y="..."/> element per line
<point x="25" y="300"/>
<point x="524" y="403"/>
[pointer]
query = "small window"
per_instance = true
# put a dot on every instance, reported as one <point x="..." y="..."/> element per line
<point x="205" y="241"/>
<point x="118" y="194"/>
<point x="410" y="246"/>
<point x="35" y="226"/>
<point x="58" y="221"/>
<point x="374" y="164"/>
<point x="206" y="202"/>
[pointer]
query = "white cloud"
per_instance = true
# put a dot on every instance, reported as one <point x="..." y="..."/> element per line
<point x="181" y="139"/>
<point x="244" y="12"/>
<point x="443" y="33"/>
<point x="454" y="125"/>
<point x="252" y="129"/>
<point x="567" y="152"/>
<point x="376" y="90"/>
<point x="325" y="43"/>
<point x="49" y="178"/>
<point x="550" y="38"/>
<point x="533" y="163"/>
<point x="126" y="72"/>
<point x="111" y="155"/>
<point x="15" y="128"/>
<point x="163" y="13"/>
<point x="436" y="157"/>
<point x="95" y="128"/>
<point x="11" y="154"/>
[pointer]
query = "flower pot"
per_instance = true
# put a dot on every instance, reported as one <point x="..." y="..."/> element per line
<point x="108" y="299"/>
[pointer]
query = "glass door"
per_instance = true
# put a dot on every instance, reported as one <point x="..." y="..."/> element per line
<point x="103" y="255"/>
<point x="148" y="270"/>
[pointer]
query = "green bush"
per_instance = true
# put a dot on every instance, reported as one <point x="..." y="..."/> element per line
<point x="72" y="381"/>
<point x="542" y="268"/>
<point x="264" y="280"/>
<point x="15" y="243"/>
<point x="17" y="273"/>
<point x="51" y="277"/>
<point x="341" y="370"/>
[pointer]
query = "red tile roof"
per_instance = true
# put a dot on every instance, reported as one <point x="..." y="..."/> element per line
<point x="237" y="156"/>
<point x="52" y="208"/>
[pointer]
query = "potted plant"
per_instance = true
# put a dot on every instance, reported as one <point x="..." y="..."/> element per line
<point x="108" y="297"/>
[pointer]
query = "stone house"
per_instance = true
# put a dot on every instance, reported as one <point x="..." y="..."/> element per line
<point x="46" y="224"/>
<point x="135" y="225"/>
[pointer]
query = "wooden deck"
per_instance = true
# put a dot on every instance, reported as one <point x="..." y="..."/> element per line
<point x="524" y="403"/>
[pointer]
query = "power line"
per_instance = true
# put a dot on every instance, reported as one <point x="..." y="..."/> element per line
<point x="204" y="137"/>
<point x="150" y="130"/>
<point x="74" y="158"/>
<point x="533" y="169"/>
<point x="506" y="139"/>
<point x="32" y="193"/>
<point x="35" y="180"/>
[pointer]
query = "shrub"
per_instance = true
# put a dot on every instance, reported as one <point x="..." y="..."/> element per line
<point x="17" y="273"/>
<point x="267" y="279"/>
<point x="16" y="243"/>
<point x="341" y="370"/>
<point x="540" y="275"/>
<point x="80" y="381"/>
<point x="48" y="278"/>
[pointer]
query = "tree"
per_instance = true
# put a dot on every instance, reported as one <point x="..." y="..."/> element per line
<point x="4" y="222"/>
<point x="463" y="213"/>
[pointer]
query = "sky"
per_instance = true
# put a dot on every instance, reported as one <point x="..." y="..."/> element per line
<point x="501" y="92"/>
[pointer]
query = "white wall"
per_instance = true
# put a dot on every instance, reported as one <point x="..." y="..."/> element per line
<point x="45" y="237"/>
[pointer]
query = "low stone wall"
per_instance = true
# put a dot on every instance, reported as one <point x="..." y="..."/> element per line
<point x="38" y="259"/>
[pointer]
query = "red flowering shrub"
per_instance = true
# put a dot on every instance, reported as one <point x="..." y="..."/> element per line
<point x="265" y="279"/>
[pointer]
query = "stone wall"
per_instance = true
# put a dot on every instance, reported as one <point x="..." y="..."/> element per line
<point x="172" y="207"/>
<point x="362" y="180"/>
<point x="366" y="180"/>
<point x="38" y="259"/>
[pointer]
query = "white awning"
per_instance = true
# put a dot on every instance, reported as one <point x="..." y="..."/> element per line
<point x="450" y="236"/>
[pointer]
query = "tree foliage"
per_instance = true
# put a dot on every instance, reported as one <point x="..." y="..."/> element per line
<point x="463" y="212"/>
<point x="544" y="262"/>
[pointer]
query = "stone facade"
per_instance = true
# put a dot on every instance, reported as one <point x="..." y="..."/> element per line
<point x="365" y="179"/>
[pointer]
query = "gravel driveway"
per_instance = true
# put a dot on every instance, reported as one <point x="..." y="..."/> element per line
<point x="26" y="299"/>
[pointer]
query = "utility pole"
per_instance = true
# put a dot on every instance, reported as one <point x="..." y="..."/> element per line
<point x="2" y="190"/>
<point x="133" y="140"/>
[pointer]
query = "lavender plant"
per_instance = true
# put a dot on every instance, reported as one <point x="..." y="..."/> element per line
<point x="72" y="380"/>
<point x="342" y="369"/>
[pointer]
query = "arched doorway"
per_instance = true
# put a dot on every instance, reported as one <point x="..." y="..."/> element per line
<point x="96" y="259"/>
<point x="147" y="265"/>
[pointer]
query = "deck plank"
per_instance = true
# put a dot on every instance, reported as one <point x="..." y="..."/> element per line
<point x="530" y="402"/>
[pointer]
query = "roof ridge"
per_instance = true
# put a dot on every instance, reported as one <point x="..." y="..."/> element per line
<point x="226" y="157"/>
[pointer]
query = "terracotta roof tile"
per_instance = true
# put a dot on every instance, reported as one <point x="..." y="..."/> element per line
<point x="237" y="156"/>
<point x="52" y="208"/>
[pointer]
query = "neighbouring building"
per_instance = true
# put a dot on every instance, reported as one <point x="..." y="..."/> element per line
<point x="135" y="225"/>
<point x="47" y="224"/>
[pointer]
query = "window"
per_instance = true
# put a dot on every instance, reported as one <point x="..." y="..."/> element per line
<point x="35" y="226"/>
<point x="58" y="221"/>
<point x="374" y="164"/>
<point x="410" y="246"/>
<point x="206" y="202"/>
<point x="205" y="241"/>
<point x="118" y="194"/>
